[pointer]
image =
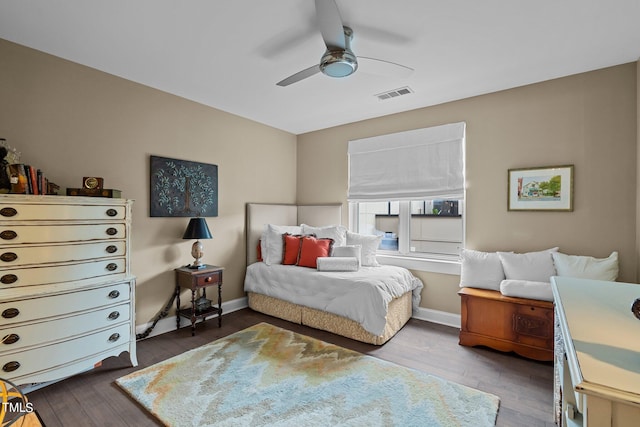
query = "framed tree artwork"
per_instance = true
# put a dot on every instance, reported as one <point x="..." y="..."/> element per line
<point x="183" y="188"/>
<point x="548" y="188"/>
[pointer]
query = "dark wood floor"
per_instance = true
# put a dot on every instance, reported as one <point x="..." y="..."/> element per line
<point x="525" y="387"/>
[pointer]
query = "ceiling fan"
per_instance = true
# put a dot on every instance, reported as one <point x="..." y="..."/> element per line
<point x="339" y="60"/>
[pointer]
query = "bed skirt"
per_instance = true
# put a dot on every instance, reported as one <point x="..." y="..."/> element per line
<point x="399" y="313"/>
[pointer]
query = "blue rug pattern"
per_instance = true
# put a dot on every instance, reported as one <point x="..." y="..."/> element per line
<point x="269" y="376"/>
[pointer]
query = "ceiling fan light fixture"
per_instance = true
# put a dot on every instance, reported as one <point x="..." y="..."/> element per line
<point x="338" y="63"/>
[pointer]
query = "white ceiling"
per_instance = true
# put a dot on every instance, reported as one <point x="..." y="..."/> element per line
<point x="229" y="54"/>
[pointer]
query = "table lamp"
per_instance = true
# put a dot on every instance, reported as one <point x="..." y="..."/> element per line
<point x="197" y="229"/>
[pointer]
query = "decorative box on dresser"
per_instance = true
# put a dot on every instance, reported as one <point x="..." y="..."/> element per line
<point x="67" y="295"/>
<point x="599" y="364"/>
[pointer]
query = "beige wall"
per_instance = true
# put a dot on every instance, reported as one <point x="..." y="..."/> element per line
<point x="73" y="121"/>
<point x="588" y="120"/>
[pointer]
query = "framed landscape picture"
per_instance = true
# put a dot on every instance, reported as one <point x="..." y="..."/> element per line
<point x="547" y="188"/>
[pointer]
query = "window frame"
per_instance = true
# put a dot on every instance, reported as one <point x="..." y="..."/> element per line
<point x="421" y="261"/>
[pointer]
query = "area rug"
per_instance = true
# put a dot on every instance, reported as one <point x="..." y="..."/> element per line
<point x="269" y="376"/>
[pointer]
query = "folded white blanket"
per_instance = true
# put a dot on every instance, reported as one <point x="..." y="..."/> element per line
<point x="337" y="263"/>
<point x="526" y="289"/>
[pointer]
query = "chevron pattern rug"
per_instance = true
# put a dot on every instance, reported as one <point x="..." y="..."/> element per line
<point x="269" y="376"/>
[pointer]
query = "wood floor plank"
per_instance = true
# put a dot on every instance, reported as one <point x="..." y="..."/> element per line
<point x="525" y="387"/>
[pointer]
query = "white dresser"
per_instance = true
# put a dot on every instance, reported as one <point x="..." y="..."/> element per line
<point x="600" y="370"/>
<point x="67" y="295"/>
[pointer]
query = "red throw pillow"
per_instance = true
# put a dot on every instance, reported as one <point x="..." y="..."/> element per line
<point x="311" y="248"/>
<point x="291" y="248"/>
<point x="259" y="251"/>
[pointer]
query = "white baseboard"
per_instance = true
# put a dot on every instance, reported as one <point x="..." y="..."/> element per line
<point x="440" y="317"/>
<point x="168" y="324"/>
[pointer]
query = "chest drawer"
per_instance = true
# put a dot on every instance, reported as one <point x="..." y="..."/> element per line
<point x="17" y="234"/>
<point x="13" y="365"/>
<point x="62" y="304"/>
<point x="18" y="337"/>
<point x="62" y="212"/>
<point x="26" y="255"/>
<point x="61" y="273"/>
<point x="533" y="321"/>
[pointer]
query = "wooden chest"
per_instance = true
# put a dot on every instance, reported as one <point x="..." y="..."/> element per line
<point x="521" y="325"/>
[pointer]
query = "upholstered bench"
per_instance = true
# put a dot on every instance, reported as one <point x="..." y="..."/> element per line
<point x="521" y="325"/>
<point x="506" y="298"/>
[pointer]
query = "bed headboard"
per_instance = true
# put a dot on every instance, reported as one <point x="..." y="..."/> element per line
<point x="259" y="214"/>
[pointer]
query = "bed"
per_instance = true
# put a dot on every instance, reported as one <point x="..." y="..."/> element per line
<point x="370" y="305"/>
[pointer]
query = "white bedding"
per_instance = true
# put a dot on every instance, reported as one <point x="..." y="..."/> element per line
<point x="362" y="296"/>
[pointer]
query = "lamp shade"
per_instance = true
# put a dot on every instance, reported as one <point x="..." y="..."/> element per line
<point x="197" y="229"/>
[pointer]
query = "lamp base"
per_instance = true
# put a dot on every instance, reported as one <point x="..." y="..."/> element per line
<point x="196" y="267"/>
<point x="196" y="252"/>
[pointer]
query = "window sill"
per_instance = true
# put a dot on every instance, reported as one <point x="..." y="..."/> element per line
<point x="431" y="265"/>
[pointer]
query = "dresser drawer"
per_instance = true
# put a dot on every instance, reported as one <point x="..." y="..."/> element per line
<point x="61" y="273"/>
<point x="66" y="212"/>
<point x="26" y="255"/>
<point x="19" y="363"/>
<point x="61" y="304"/>
<point x="17" y="337"/>
<point x="13" y="234"/>
<point x="209" y="279"/>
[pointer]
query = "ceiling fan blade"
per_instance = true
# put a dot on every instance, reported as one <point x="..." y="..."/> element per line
<point x="300" y="75"/>
<point x="330" y="23"/>
<point x="383" y="68"/>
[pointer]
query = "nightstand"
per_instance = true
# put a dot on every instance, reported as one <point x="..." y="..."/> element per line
<point x="196" y="279"/>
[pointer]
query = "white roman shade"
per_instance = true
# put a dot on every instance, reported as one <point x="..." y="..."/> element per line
<point x="413" y="165"/>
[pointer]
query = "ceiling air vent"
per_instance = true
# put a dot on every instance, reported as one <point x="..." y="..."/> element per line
<point x="394" y="93"/>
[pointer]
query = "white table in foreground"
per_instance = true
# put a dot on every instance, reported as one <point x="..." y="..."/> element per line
<point x="600" y="376"/>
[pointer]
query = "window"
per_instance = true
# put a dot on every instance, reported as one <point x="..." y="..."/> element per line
<point x="408" y="187"/>
<point x="426" y="228"/>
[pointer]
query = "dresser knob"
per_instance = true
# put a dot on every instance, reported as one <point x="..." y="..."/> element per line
<point x="10" y="339"/>
<point x="112" y="212"/>
<point x="8" y="212"/>
<point x="112" y="249"/>
<point x="11" y="366"/>
<point x="10" y="313"/>
<point x="112" y="266"/>
<point x="9" y="256"/>
<point x="8" y="279"/>
<point x="8" y="235"/>
<point x="208" y="279"/>
<point x="112" y="231"/>
<point x="114" y="294"/>
<point x="114" y="337"/>
<point x="114" y="315"/>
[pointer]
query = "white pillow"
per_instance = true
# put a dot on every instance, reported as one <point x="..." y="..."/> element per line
<point x="586" y="267"/>
<point x="532" y="266"/>
<point x="336" y="232"/>
<point x="527" y="289"/>
<point x="369" y="244"/>
<point x="348" y="251"/>
<point x="271" y="244"/>
<point x="480" y="270"/>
